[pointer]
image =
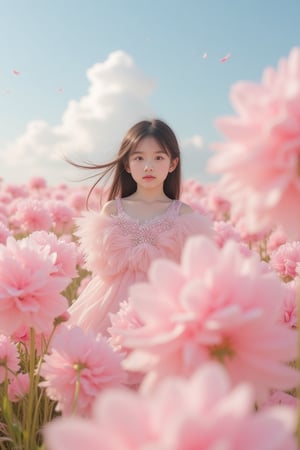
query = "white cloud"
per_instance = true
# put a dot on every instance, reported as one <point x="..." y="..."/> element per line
<point x="193" y="143"/>
<point x="91" y="128"/>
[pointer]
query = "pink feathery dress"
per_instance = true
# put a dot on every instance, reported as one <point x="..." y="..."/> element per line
<point x="118" y="251"/>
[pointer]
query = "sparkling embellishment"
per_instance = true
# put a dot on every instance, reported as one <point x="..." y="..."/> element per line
<point x="146" y="232"/>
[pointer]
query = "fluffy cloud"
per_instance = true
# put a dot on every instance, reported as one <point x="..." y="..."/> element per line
<point x="90" y="128"/>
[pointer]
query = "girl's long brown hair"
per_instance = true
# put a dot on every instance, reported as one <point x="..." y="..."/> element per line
<point x="123" y="184"/>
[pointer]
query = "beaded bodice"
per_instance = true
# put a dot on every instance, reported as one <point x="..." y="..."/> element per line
<point x="148" y="231"/>
<point x="119" y="244"/>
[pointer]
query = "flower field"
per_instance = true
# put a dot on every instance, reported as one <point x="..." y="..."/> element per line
<point x="205" y="354"/>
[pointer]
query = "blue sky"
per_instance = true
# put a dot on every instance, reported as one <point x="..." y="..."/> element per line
<point x="54" y="43"/>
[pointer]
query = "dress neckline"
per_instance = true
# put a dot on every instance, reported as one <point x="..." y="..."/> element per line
<point x="122" y="211"/>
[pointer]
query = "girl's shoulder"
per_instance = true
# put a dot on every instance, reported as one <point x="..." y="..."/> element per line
<point x="110" y="208"/>
<point x="185" y="209"/>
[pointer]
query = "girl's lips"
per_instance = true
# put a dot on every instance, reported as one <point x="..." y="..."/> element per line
<point x="148" y="177"/>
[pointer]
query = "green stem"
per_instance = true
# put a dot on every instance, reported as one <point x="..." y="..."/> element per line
<point x="76" y="394"/>
<point x="29" y="432"/>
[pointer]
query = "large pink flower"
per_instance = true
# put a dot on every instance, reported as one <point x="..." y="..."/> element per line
<point x="126" y="318"/>
<point x="286" y="259"/>
<point x="32" y="215"/>
<point x="62" y="216"/>
<point x="260" y="160"/>
<point x="82" y="361"/>
<point x="202" y="413"/>
<point x="29" y="288"/>
<point x="218" y="304"/>
<point x="66" y="252"/>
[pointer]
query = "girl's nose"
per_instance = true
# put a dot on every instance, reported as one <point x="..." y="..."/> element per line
<point x="148" y="167"/>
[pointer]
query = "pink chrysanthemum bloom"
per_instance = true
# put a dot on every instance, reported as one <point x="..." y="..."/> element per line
<point x="284" y="260"/>
<point x="37" y="183"/>
<point x="77" y="201"/>
<point x="79" y="366"/>
<point x="65" y="252"/>
<point x="32" y="215"/>
<point x="276" y="239"/>
<point x="3" y="215"/>
<point x="126" y="318"/>
<point x="22" y="334"/>
<point x="249" y="237"/>
<point x="217" y="305"/>
<point x="30" y="291"/>
<point x="9" y="358"/>
<point x="5" y="198"/>
<point x="16" y="190"/>
<point x="4" y="233"/>
<point x="18" y="387"/>
<point x="260" y="161"/>
<point x="202" y="413"/>
<point x="216" y="203"/>
<point x="225" y="231"/>
<point x="62" y="216"/>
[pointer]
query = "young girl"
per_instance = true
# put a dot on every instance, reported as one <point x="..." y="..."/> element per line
<point x="143" y="219"/>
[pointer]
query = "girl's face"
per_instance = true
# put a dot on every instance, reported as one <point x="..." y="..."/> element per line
<point x="149" y="164"/>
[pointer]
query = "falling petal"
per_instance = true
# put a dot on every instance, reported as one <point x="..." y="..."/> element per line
<point x="225" y="58"/>
<point x="16" y="72"/>
<point x="204" y="56"/>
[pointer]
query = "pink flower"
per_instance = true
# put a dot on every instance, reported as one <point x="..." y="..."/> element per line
<point x="217" y="305"/>
<point x="30" y="293"/>
<point x="9" y="358"/>
<point x="18" y="387"/>
<point x="250" y="237"/>
<point x="216" y="203"/>
<point x="79" y="360"/>
<point x="259" y="162"/>
<point x="22" y="334"/>
<point x="202" y="413"/>
<point x="225" y="231"/>
<point x="65" y="252"/>
<point x="276" y="239"/>
<point x="285" y="259"/>
<point x="4" y="233"/>
<point x="17" y="191"/>
<point x="32" y="215"/>
<point x="125" y="319"/>
<point x="62" y="216"/>
<point x="37" y="183"/>
<point x="77" y="201"/>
